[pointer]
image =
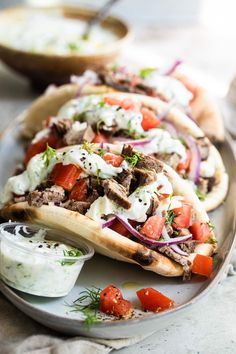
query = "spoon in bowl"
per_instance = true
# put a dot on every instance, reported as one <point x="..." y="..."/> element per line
<point x="100" y="15"/>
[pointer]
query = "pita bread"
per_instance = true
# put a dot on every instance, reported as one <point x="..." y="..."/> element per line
<point x="107" y="241"/>
<point x="49" y="105"/>
<point x="204" y="109"/>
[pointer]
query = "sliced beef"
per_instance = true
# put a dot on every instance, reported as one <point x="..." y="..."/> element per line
<point x="150" y="163"/>
<point x="188" y="246"/>
<point x="205" y="185"/>
<point x="54" y="194"/>
<point x="95" y="187"/>
<point x="124" y="178"/>
<point x="127" y="150"/>
<point x="143" y="176"/>
<point x="62" y="126"/>
<point x="179" y="259"/>
<point x="170" y="159"/>
<point x="73" y="137"/>
<point x="74" y="205"/>
<point x="153" y="206"/>
<point x="204" y="147"/>
<point x="116" y="192"/>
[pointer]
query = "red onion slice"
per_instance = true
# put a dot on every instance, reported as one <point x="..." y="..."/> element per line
<point x="173" y="67"/>
<point x="139" y="142"/>
<point x="175" y="248"/>
<point x="148" y="241"/>
<point x="170" y="128"/>
<point x="194" y="169"/>
<point x="109" y="222"/>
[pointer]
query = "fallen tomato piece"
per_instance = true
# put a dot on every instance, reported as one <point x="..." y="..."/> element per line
<point x="112" y="302"/>
<point x="202" y="265"/>
<point x="153" y="300"/>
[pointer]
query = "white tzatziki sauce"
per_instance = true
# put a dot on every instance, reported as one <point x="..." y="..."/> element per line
<point x="38" y="32"/>
<point x="37" y="170"/>
<point x="170" y="88"/>
<point x="36" y="265"/>
<point x="140" y="201"/>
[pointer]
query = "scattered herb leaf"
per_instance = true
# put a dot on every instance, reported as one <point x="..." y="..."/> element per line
<point x="89" y="147"/>
<point x="71" y="253"/>
<point x="211" y="226"/>
<point x="145" y="72"/>
<point x="48" y="154"/>
<point x="201" y="196"/>
<point x="134" y="159"/>
<point x="169" y="217"/>
<point x="101" y="104"/>
<point x="73" y="47"/>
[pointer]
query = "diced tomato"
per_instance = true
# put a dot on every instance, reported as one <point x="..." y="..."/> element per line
<point x="126" y="103"/>
<point x="112" y="302"/>
<point x="34" y="149"/>
<point x="112" y="159"/>
<point x="112" y="101"/>
<point x="153" y="300"/>
<point x="153" y="227"/>
<point x="200" y="231"/>
<point x="150" y="120"/>
<point x="185" y="165"/>
<point x="65" y="175"/>
<point x="202" y="265"/>
<point x="183" y="216"/>
<point x="120" y="228"/>
<point x="100" y="138"/>
<point x="163" y="196"/>
<point x="79" y="191"/>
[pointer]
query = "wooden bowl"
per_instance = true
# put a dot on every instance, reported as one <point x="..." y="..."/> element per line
<point x="43" y="69"/>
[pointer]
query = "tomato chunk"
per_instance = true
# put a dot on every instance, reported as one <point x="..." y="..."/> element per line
<point x="202" y="265"/>
<point x="34" y="149"/>
<point x="150" y="120"/>
<point x="120" y="228"/>
<point x="200" y="231"/>
<point x="112" y="159"/>
<point x="153" y="300"/>
<point x="185" y="164"/>
<point x="153" y="227"/>
<point x="65" y="175"/>
<point x="112" y="302"/>
<point x="183" y="216"/>
<point x="112" y="101"/>
<point x="79" y="191"/>
<point x="100" y="138"/>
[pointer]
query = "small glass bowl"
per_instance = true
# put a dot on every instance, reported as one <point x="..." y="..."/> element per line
<point x="25" y="266"/>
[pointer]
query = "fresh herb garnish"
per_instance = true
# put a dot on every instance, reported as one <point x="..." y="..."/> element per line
<point x="89" y="147"/>
<point x="201" y="196"/>
<point x="169" y="217"/>
<point x="88" y="303"/>
<point x="182" y="141"/>
<point x="101" y="152"/>
<point x="71" y="253"/>
<point x="211" y="226"/>
<point x="73" y="47"/>
<point x="134" y="159"/>
<point x="101" y="104"/>
<point x="145" y="72"/>
<point x="48" y="154"/>
<point x="113" y="67"/>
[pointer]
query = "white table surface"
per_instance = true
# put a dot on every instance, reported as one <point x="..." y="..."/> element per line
<point x="209" y="328"/>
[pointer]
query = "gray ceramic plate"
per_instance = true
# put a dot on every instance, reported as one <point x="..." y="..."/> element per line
<point x="101" y="271"/>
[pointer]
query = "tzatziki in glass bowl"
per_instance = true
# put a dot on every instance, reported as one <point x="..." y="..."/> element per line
<point x="34" y="260"/>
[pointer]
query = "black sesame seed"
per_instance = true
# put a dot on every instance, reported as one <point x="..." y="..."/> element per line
<point x="40" y="246"/>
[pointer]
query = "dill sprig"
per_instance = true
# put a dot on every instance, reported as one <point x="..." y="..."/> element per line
<point x="48" y="154"/>
<point x="134" y="159"/>
<point x="89" y="147"/>
<point x="88" y="303"/>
